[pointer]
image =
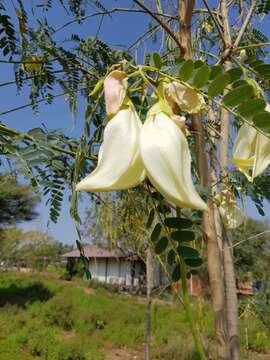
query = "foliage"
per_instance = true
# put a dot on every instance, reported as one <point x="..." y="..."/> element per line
<point x="32" y="249"/>
<point x="250" y="266"/>
<point x="71" y="323"/>
<point x="119" y="220"/>
<point x="17" y="202"/>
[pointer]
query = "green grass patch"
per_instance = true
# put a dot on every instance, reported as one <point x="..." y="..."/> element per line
<point x="45" y="318"/>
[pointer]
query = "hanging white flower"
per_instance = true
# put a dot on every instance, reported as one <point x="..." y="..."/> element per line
<point x="119" y="164"/>
<point x="251" y="151"/>
<point x="130" y="151"/>
<point x="166" y="157"/>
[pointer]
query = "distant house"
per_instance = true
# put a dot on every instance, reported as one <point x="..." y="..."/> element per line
<point x="117" y="266"/>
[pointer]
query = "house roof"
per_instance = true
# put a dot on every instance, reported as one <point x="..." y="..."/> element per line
<point x="94" y="251"/>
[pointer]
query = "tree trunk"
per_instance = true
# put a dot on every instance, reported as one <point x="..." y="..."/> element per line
<point x="231" y="298"/>
<point x="149" y="280"/>
<point x="229" y="274"/>
<point x="215" y="265"/>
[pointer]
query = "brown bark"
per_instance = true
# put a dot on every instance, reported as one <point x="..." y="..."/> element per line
<point x="215" y="265"/>
<point x="149" y="280"/>
<point x="229" y="274"/>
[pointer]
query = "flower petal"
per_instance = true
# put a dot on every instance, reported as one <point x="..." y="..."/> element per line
<point x="119" y="165"/>
<point x="231" y="215"/>
<point x="165" y="153"/>
<point x="244" y="149"/>
<point x="188" y="100"/>
<point x="115" y="87"/>
<point x="262" y="155"/>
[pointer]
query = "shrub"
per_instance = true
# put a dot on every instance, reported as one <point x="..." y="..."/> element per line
<point x="60" y="312"/>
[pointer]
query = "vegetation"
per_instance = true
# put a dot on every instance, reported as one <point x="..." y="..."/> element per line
<point x="210" y="84"/>
<point x="43" y="317"/>
<point x="17" y="202"/>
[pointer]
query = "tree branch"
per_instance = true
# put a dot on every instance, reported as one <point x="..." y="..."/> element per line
<point x="246" y="23"/>
<point x="11" y="132"/>
<point x="161" y="23"/>
<point x="114" y="10"/>
<point x="211" y="13"/>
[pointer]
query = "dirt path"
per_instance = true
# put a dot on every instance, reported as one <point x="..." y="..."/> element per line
<point x="124" y="354"/>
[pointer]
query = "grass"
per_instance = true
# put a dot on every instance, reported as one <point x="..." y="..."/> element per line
<point x="44" y="318"/>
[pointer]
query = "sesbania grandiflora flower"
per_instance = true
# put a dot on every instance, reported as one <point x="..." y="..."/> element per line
<point x="230" y="213"/>
<point x="119" y="163"/>
<point x="130" y="151"/>
<point x="251" y="151"/>
<point x="186" y="99"/>
<point x="166" y="157"/>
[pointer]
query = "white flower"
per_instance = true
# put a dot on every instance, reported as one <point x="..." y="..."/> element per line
<point x="166" y="157"/>
<point x="119" y="163"/>
<point x="187" y="100"/>
<point x="230" y="213"/>
<point x="131" y="150"/>
<point x="251" y="151"/>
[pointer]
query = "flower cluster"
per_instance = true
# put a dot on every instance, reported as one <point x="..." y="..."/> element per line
<point x="157" y="149"/>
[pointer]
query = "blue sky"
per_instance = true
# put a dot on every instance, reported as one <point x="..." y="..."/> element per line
<point x="120" y="30"/>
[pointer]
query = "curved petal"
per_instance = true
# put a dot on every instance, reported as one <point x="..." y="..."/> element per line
<point x="188" y="100"/>
<point x="244" y="149"/>
<point x="115" y="87"/>
<point x="165" y="153"/>
<point x="231" y="215"/>
<point x="262" y="155"/>
<point x="119" y="165"/>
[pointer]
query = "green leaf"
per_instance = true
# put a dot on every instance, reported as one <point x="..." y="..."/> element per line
<point x="150" y="218"/>
<point x="188" y="252"/>
<point x="198" y="63"/>
<point x="201" y="77"/>
<point x="235" y="73"/>
<point x="262" y="120"/>
<point x="238" y="83"/>
<point x="156" y="60"/>
<point x="156" y="232"/>
<point x="215" y="71"/>
<point x="183" y="235"/>
<point x="251" y="107"/>
<point x="161" y="245"/>
<point x="178" y="223"/>
<point x="186" y="70"/>
<point x="263" y="69"/>
<point x="194" y="262"/>
<point x="238" y="95"/>
<point x="176" y="274"/>
<point x="218" y="84"/>
<point x="171" y="257"/>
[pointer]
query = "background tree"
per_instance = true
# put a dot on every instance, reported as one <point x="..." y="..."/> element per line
<point x="252" y="251"/>
<point x="17" y="201"/>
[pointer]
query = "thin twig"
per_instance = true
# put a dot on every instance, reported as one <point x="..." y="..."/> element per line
<point x="246" y="23"/>
<point x="250" y="238"/>
<point x="251" y="46"/>
<point x="161" y="23"/>
<point x="211" y="13"/>
<point x="108" y="13"/>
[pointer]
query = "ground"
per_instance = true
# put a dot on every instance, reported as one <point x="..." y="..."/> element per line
<point x="44" y="317"/>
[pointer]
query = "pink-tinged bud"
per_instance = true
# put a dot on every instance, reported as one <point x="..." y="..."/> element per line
<point x="115" y="87"/>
